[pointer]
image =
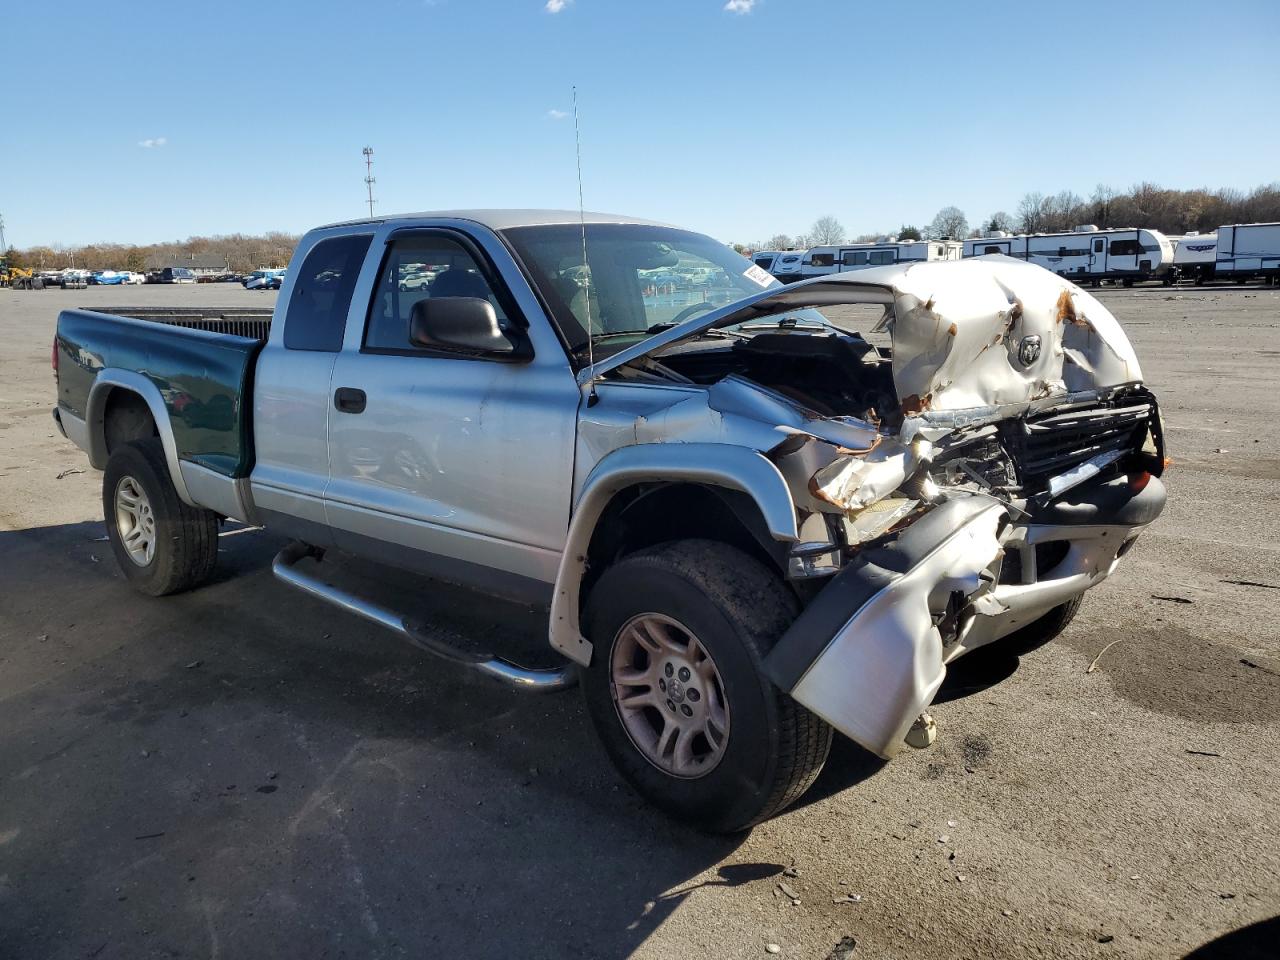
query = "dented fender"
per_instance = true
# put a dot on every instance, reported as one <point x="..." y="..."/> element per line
<point x="866" y="655"/>
<point x="714" y="464"/>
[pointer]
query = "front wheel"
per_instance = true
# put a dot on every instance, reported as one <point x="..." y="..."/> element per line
<point x="676" y="689"/>
<point x="162" y="544"/>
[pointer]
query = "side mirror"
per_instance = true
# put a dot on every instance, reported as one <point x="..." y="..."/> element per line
<point x="465" y="324"/>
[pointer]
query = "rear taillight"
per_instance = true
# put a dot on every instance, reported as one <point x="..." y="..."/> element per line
<point x="55" y="357"/>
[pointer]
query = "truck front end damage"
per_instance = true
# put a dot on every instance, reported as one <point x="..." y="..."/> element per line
<point x="993" y="465"/>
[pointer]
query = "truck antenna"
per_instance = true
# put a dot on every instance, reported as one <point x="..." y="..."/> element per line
<point x="592" y="399"/>
<point x="369" y="180"/>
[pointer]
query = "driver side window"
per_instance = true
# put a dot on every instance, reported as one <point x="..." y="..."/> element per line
<point x="418" y="268"/>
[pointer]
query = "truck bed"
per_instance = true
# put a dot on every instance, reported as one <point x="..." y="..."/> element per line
<point x="251" y="322"/>
<point x="199" y="361"/>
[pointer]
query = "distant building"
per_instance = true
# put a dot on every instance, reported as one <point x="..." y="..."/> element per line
<point x="201" y="264"/>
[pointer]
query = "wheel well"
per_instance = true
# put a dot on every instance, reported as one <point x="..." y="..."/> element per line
<point x="647" y="514"/>
<point x="126" y="417"/>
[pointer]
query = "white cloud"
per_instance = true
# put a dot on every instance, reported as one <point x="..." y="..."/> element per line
<point x="555" y="6"/>
<point x="554" y="114"/>
<point x="737" y="6"/>
<point x="151" y="142"/>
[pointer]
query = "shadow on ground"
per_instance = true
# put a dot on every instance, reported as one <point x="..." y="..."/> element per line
<point x="242" y="771"/>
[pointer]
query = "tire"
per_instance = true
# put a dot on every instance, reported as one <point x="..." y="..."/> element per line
<point x="1040" y="631"/>
<point x="184" y="539"/>
<point x="772" y="749"/>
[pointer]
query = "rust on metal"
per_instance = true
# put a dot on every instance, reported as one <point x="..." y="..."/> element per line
<point x="916" y="404"/>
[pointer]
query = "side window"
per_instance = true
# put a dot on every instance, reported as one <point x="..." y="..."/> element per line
<point x="418" y="268"/>
<point x="823" y="260"/>
<point x="855" y="258"/>
<point x="317" y="313"/>
<point x="880" y="258"/>
<point x="1098" y="245"/>
<point x="1124" y="248"/>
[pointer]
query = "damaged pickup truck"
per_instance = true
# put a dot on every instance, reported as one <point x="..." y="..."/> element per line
<point x="750" y="527"/>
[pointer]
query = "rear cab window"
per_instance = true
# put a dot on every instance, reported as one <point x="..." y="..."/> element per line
<point x="316" y="316"/>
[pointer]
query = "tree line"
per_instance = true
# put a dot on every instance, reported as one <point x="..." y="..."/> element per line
<point x="1144" y="205"/>
<point x="240" y="253"/>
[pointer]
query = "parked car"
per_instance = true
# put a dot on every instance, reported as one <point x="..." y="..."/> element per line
<point x="750" y="529"/>
<point x="172" y="275"/>
<point x="74" y="279"/>
<point x="264" y="280"/>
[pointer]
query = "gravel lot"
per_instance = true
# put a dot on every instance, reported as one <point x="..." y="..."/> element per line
<point x="242" y="772"/>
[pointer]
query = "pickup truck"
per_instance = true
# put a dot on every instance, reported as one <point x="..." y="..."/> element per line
<point x="750" y="527"/>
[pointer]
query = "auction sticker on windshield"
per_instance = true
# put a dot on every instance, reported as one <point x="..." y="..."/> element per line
<point x="760" y="276"/>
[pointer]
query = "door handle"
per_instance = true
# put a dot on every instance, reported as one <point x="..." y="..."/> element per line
<point x="349" y="400"/>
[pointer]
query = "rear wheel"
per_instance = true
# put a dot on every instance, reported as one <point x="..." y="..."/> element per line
<point x="676" y="690"/>
<point x="162" y="544"/>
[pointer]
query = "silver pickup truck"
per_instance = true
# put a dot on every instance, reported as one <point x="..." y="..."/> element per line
<point x="749" y="526"/>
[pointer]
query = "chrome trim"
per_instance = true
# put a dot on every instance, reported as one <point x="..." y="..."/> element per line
<point x="521" y="678"/>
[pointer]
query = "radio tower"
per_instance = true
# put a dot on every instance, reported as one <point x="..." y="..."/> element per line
<point x="369" y="180"/>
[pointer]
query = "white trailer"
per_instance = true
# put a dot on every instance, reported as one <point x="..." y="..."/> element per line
<point x="1087" y="253"/>
<point x="857" y="256"/>
<point x="1194" y="256"/>
<point x="784" y="265"/>
<point x="1248" y="251"/>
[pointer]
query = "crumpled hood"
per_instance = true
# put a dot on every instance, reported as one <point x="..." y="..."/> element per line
<point x="964" y="332"/>
<point x="994" y="331"/>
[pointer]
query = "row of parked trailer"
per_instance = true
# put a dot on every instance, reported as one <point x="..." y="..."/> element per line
<point x="1239" y="252"/>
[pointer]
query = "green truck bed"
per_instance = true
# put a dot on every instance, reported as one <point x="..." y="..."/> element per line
<point x="200" y="360"/>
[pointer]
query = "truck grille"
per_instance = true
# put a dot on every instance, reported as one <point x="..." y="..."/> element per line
<point x="1043" y="447"/>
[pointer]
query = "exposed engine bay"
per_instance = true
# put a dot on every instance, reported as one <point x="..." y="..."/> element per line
<point x="832" y="373"/>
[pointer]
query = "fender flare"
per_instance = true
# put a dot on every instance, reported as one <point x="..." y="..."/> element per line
<point x="711" y="464"/>
<point x="112" y="378"/>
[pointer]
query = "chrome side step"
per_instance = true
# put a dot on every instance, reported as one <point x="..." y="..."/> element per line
<point x="284" y="566"/>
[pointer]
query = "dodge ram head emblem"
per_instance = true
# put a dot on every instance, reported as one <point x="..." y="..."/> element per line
<point x="1029" y="350"/>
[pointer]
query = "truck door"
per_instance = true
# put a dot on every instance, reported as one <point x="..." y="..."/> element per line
<point x="291" y="387"/>
<point x="458" y="465"/>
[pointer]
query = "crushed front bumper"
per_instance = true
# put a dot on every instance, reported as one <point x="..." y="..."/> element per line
<point x="869" y="653"/>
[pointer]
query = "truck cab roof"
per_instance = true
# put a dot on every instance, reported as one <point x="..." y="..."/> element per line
<point x="503" y="219"/>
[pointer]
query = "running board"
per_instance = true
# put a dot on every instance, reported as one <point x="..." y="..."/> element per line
<point x="284" y="566"/>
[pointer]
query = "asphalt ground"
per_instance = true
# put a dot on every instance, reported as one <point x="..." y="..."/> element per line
<point x="244" y="772"/>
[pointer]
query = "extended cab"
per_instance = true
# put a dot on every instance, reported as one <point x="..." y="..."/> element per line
<point x="749" y="526"/>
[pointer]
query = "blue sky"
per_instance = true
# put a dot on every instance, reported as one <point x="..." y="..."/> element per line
<point x="158" y="121"/>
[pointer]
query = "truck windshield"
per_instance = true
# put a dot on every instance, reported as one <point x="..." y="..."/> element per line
<point x="637" y="279"/>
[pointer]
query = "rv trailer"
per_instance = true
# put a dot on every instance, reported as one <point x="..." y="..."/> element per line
<point x="1193" y="257"/>
<point x="857" y="256"/>
<point x="784" y="265"/>
<point x="1248" y="251"/>
<point x="1086" y="253"/>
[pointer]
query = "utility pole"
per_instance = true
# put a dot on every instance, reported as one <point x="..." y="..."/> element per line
<point x="369" y="181"/>
<point x="3" y="247"/>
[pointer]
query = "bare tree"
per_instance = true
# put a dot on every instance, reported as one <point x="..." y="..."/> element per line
<point x="998" y="222"/>
<point x="826" y="230"/>
<point x="949" y="224"/>
<point x="1031" y="213"/>
<point x="779" y="241"/>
